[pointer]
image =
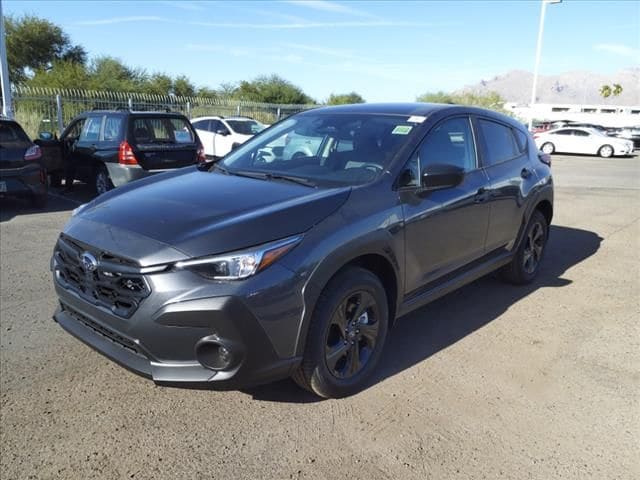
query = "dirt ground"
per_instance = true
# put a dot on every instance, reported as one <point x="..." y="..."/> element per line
<point x="492" y="381"/>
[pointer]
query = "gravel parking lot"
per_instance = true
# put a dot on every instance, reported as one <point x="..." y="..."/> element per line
<point x="492" y="381"/>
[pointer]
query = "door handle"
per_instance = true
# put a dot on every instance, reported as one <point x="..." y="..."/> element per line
<point x="525" y="173"/>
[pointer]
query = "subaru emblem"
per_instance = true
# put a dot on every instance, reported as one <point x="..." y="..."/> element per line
<point x="89" y="262"/>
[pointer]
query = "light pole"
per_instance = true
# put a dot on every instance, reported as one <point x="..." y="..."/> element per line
<point x="537" y="65"/>
<point x="7" y="111"/>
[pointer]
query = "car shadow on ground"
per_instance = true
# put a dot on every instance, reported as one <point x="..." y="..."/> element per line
<point x="423" y="333"/>
<point x="58" y="201"/>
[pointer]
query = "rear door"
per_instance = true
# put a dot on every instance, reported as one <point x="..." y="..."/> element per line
<point x="162" y="142"/>
<point x="506" y="162"/>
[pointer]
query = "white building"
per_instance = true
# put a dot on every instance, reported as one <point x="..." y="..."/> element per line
<point x="605" y="115"/>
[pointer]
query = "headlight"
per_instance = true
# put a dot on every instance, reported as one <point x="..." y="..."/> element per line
<point x="239" y="265"/>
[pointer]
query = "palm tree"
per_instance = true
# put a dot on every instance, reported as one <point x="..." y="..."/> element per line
<point x="617" y="89"/>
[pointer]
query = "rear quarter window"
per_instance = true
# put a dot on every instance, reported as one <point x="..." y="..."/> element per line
<point x="522" y="139"/>
<point x="162" y="130"/>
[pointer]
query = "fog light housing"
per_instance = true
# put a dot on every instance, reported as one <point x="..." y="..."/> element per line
<point x="214" y="354"/>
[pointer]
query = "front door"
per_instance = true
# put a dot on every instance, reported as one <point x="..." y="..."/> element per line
<point x="88" y="143"/>
<point x="444" y="229"/>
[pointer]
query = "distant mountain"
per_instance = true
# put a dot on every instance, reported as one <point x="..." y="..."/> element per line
<point x="572" y="87"/>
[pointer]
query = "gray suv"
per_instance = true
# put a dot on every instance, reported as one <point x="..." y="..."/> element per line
<point x="263" y="266"/>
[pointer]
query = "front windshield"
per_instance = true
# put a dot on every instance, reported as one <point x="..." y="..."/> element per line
<point x="246" y="127"/>
<point x="324" y="148"/>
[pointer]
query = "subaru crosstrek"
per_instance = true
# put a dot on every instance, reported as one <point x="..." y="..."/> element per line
<point x="247" y="270"/>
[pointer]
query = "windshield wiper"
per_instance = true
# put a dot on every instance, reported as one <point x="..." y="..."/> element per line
<point x="274" y="176"/>
<point x="215" y="166"/>
<point x="289" y="178"/>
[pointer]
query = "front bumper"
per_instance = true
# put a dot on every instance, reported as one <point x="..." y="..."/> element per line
<point x="27" y="180"/>
<point x="623" y="150"/>
<point x="162" y="339"/>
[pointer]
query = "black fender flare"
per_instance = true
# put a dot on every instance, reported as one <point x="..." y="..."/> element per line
<point x="378" y="243"/>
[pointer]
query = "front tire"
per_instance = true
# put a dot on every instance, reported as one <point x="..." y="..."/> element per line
<point x="346" y="336"/>
<point x="605" y="151"/>
<point x="548" y="148"/>
<point x="526" y="262"/>
<point x="102" y="182"/>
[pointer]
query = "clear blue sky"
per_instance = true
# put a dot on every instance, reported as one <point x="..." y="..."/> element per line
<point x="385" y="50"/>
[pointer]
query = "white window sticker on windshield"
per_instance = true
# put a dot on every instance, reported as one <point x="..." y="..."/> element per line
<point x="182" y="136"/>
<point x="402" y="130"/>
<point x="416" y="119"/>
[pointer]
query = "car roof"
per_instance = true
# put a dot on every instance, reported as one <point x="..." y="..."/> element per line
<point x="207" y="117"/>
<point x="131" y="112"/>
<point x="416" y="108"/>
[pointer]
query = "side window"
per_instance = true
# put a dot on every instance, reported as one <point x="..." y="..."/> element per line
<point x="214" y="125"/>
<point x="113" y="128"/>
<point x="201" y="124"/>
<point x="74" y="130"/>
<point x="580" y="133"/>
<point x="451" y="142"/>
<point x="562" y="132"/>
<point x="521" y="138"/>
<point x="499" y="142"/>
<point x="217" y="125"/>
<point x="91" y="130"/>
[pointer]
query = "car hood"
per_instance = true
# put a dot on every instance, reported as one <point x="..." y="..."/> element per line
<point x="191" y="213"/>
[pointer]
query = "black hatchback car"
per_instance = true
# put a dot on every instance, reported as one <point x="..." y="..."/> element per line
<point x="22" y="172"/>
<point x="267" y="264"/>
<point x="108" y="148"/>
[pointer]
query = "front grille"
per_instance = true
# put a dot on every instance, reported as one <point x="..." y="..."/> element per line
<point x="114" y="284"/>
<point x="114" y="337"/>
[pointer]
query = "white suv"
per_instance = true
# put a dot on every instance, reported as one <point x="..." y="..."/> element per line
<point x="218" y="134"/>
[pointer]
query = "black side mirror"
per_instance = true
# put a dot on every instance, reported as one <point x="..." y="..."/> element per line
<point x="439" y="176"/>
<point x="222" y="131"/>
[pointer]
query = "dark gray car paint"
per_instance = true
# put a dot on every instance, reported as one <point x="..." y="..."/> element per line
<point x="204" y="213"/>
<point x="188" y="213"/>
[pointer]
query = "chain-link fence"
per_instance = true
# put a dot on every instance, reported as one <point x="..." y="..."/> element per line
<point x="50" y="110"/>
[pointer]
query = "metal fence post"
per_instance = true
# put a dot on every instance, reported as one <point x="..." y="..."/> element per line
<point x="130" y="103"/>
<point x="189" y="110"/>
<point x="59" y="113"/>
<point x="278" y="114"/>
<point x="238" y="110"/>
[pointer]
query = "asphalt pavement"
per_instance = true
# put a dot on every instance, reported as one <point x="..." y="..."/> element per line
<point x="491" y="381"/>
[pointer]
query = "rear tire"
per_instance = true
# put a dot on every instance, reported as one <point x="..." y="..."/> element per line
<point x="548" y="148"/>
<point x="346" y="336"/>
<point x="102" y="182"/>
<point x="605" y="151"/>
<point x="526" y="262"/>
